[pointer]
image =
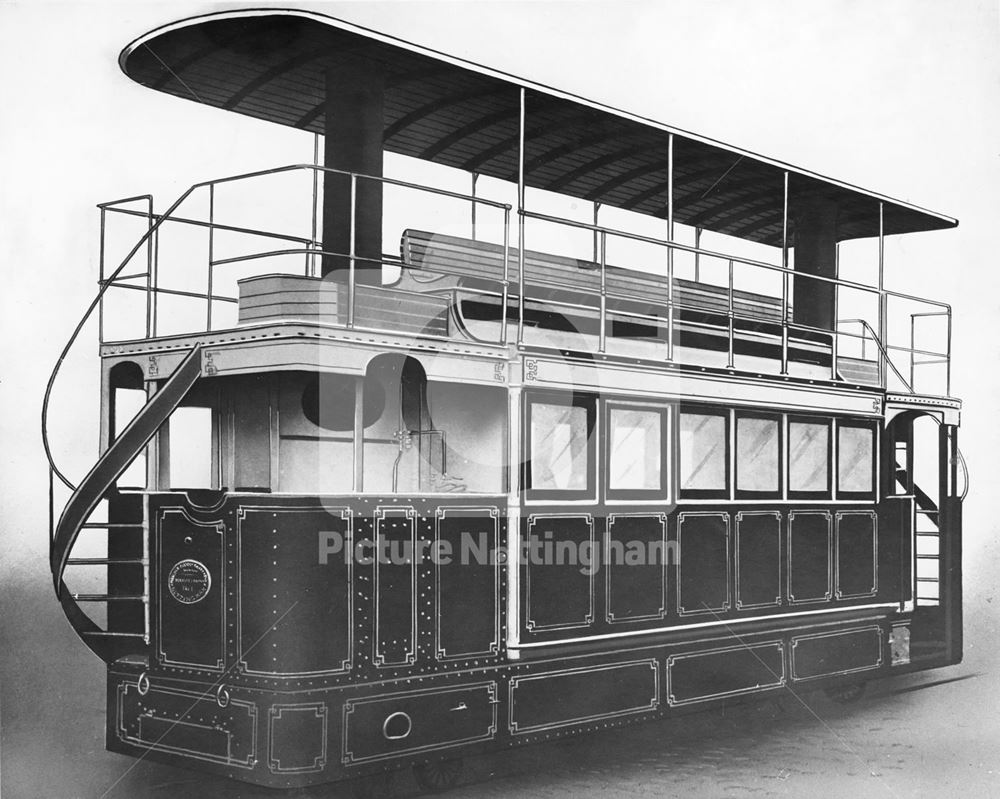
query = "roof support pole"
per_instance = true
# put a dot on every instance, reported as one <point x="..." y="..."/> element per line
<point x="314" y="230"/>
<point x="597" y="237"/>
<point x="475" y="179"/>
<point x="520" y="222"/>
<point x="697" y="255"/>
<point x="670" y="249"/>
<point x="883" y="300"/>
<point x="355" y="92"/>
<point x="784" y="279"/>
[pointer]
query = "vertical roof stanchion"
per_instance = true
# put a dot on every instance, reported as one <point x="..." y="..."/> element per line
<point x="697" y="254"/>
<point x="211" y="255"/>
<point x="506" y="275"/>
<point x="883" y="305"/>
<point x="835" y="333"/>
<point x="520" y="223"/>
<point x="784" y="279"/>
<point x="352" y="269"/>
<point x="597" y="208"/>
<point x="670" y="249"/>
<point x="475" y="179"/>
<point x="315" y="203"/>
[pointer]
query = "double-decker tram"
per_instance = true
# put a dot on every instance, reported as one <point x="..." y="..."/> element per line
<point x="627" y="426"/>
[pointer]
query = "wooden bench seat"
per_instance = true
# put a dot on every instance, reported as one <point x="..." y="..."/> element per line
<point x="479" y="264"/>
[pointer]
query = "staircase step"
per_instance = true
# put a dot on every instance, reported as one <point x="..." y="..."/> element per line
<point x="855" y="370"/>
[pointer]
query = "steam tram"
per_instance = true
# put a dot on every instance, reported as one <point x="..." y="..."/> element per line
<point x="599" y="335"/>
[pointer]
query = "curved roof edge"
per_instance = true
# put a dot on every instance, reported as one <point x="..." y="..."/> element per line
<point x="933" y="220"/>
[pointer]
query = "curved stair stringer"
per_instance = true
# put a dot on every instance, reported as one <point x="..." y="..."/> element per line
<point x="93" y="488"/>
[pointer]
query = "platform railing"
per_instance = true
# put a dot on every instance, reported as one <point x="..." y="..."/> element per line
<point x="788" y="323"/>
<point x="309" y="249"/>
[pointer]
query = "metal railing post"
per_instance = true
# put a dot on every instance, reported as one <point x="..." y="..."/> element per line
<point x="784" y="280"/>
<point x="520" y="221"/>
<point x="883" y="304"/>
<point x="835" y="337"/>
<point x="156" y="282"/>
<point x="947" y="363"/>
<point x="351" y="276"/>
<point x="100" y="282"/>
<point x="670" y="249"/>
<point x="311" y="259"/>
<point x="211" y="254"/>
<point x="506" y="275"/>
<point x="475" y="179"/>
<point x="731" y="363"/>
<point x="697" y="255"/>
<point x="149" y="267"/>
<point x="602" y="339"/>
<point x="597" y="208"/>
<point x="913" y="346"/>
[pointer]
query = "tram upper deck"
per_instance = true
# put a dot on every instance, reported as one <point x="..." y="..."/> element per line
<point x="524" y="217"/>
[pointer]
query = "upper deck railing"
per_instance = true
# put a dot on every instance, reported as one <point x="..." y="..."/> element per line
<point x="900" y="363"/>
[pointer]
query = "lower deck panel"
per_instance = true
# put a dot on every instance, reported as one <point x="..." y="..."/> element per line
<point x="293" y="738"/>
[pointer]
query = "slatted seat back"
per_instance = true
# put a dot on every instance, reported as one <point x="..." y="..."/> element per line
<point x="478" y="261"/>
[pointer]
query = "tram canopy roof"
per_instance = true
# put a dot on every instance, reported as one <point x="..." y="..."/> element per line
<point x="272" y="64"/>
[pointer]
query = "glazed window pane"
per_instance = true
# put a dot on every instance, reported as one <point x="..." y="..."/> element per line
<point x="703" y="451"/>
<point x="757" y="457"/>
<point x="635" y="449"/>
<point x="808" y="456"/>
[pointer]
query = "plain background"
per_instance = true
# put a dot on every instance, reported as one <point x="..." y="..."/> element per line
<point x="900" y="96"/>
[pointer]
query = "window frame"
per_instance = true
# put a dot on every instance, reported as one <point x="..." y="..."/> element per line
<point x="632" y="495"/>
<point x="569" y="399"/>
<point x="831" y="465"/>
<point x="778" y="418"/>
<point x="862" y="424"/>
<point x="706" y="493"/>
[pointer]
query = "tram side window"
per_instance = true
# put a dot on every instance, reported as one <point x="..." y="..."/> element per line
<point x="192" y="447"/>
<point x="127" y="403"/>
<point x="560" y="447"/>
<point x="855" y="459"/>
<point x="808" y="458"/>
<point x="636" y="445"/>
<point x="251" y="433"/>
<point x="315" y="433"/>
<point x="758" y="456"/>
<point x="704" y="454"/>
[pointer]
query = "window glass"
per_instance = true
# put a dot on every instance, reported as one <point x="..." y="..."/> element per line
<point x="855" y="451"/>
<point x="703" y="451"/>
<point x="757" y="455"/>
<point x="314" y="455"/>
<point x="635" y="449"/>
<point x="474" y="420"/>
<point x="808" y="456"/>
<point x="190" y="440"/>
<point x="128" y="402"/>
<point x="559" y="450"/>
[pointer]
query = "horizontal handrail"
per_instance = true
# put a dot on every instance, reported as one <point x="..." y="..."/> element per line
<point x="676" y="245"/>
<point x="882" y="350"/>
<point x="217" y="225"/>
<point x="177" y="292"/>
<point x="157" y="221"/>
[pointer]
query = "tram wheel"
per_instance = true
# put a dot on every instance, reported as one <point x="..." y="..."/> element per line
<point x="374" y="786"/>
<point x="440" y="775"/>
<point x="846" y="694"/>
